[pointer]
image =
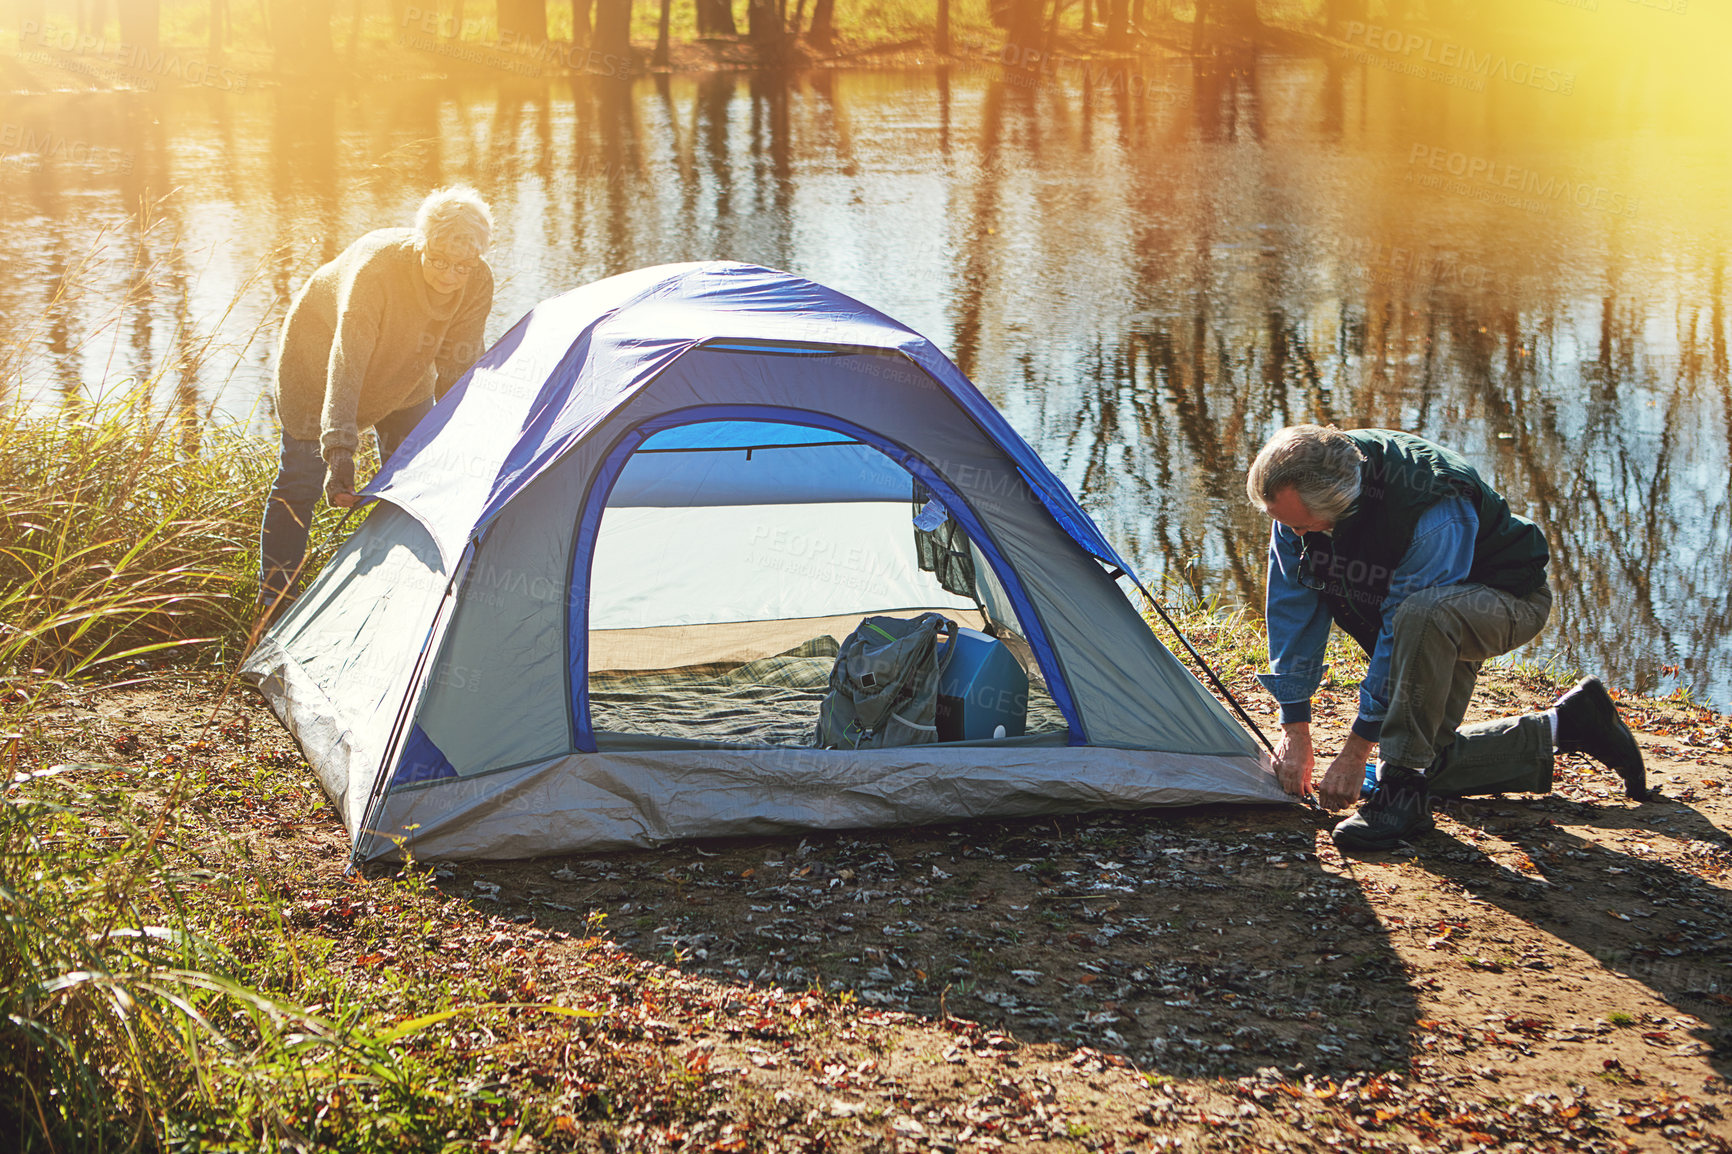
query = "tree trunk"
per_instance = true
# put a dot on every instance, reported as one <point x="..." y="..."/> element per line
<point x="799" y="20"/>
<point x="764" y="23"/>
<point x="660" y="60"/>
<point x="1052" y="32"/>
<point x="613" y="28"/>
<point x="580" y="21"/>
<point x="522" y="21"/>
<point x="822" y="34"/>
<point x="941" y="38"/>
<point x="1088" y="15"/>
<point x="1020" y="20"/>
<point x="716" y="18"/>
<point x="1118" y="31"/>
<point x="139" y="23"/>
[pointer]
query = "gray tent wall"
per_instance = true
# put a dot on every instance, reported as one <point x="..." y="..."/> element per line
<point x="338" y="666"/>
<point x="496" y="701"/>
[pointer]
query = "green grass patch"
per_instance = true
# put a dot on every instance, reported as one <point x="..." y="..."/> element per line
<point x="155" y="994"/>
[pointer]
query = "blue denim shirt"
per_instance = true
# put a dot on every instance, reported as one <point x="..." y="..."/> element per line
<point x="1298" y="620"/>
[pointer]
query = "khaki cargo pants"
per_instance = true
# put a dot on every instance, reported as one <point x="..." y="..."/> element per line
<point x="1442" y="636"/>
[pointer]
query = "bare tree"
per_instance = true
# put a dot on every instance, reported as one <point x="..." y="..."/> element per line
<point x="941" y="40"/>
<point x="823" y="32"/>
<point x="716" y="18"/>
<point x="1020" y="20"/>
<point x="1118" y="22"/>
<point x="613" y="27"/>
<point x="765" y="25"/>
<point x="660" y="59"/>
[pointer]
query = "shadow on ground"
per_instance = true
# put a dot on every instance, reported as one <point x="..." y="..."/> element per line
<point x="1627" y="908"/>
<point x="1206" y="942"/>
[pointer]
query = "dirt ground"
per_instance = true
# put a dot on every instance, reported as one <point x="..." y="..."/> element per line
<point x="1543" y="972"/>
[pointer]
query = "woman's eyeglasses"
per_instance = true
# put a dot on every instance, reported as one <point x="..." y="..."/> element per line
<point x="440" y="264"/>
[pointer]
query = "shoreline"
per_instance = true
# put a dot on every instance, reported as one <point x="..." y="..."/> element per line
<point x="413" y="53"/>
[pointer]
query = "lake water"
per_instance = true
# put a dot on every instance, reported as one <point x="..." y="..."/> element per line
<point x="1147" y="269"/>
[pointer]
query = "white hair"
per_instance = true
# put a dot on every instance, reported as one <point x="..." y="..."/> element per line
<point x="1320" y="464"/>
<point x="454" y="220"/>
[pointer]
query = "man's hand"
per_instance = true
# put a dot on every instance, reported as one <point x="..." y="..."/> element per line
<point x="1346" y="774"/>
<point x="1294" y="759"/>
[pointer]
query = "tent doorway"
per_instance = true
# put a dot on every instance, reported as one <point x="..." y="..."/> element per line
<point x="733" y="556"/>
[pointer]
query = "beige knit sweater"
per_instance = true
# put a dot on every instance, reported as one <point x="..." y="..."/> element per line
<point x="367" y="335"/>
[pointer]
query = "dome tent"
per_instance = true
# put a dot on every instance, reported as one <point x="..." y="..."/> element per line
<point x="590" y="609"/>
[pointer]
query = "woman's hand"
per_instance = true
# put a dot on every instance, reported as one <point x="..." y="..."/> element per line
<point x="340" y="480"/>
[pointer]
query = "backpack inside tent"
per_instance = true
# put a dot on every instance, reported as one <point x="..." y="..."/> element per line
<point x="599" y="597"/>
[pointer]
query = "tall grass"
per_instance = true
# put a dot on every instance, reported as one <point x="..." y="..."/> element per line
<point x="125" y="1025"/>
<point x="124" y="535"/>
<point x="128" y="542"/>
<point x="129" y="528"/>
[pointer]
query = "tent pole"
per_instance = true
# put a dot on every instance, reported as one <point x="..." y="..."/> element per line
<point x="1198" y="658"/>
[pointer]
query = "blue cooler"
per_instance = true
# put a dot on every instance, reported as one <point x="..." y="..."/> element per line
<point x="984" y="691"/>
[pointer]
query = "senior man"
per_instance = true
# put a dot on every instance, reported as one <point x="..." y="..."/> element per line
<point x="372" y="339"/>
<point x="1401" y="543"/>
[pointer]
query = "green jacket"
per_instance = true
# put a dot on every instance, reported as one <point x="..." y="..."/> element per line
<point x="1402" y="476"/>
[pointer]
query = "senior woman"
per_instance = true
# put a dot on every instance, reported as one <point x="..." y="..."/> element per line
<point x="372" y="339"/>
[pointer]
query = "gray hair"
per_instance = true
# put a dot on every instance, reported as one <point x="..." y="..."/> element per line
<point x="1320" y="464"/>
<point x="455" y="220"/>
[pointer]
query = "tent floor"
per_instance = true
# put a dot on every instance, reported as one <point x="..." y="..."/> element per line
<point x="772" y="701"/>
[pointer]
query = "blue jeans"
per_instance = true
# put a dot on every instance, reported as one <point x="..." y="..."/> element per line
<point x="300" y="481"/>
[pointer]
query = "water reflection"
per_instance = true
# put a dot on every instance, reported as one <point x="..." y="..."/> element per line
<point x="1149" y="268"/>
